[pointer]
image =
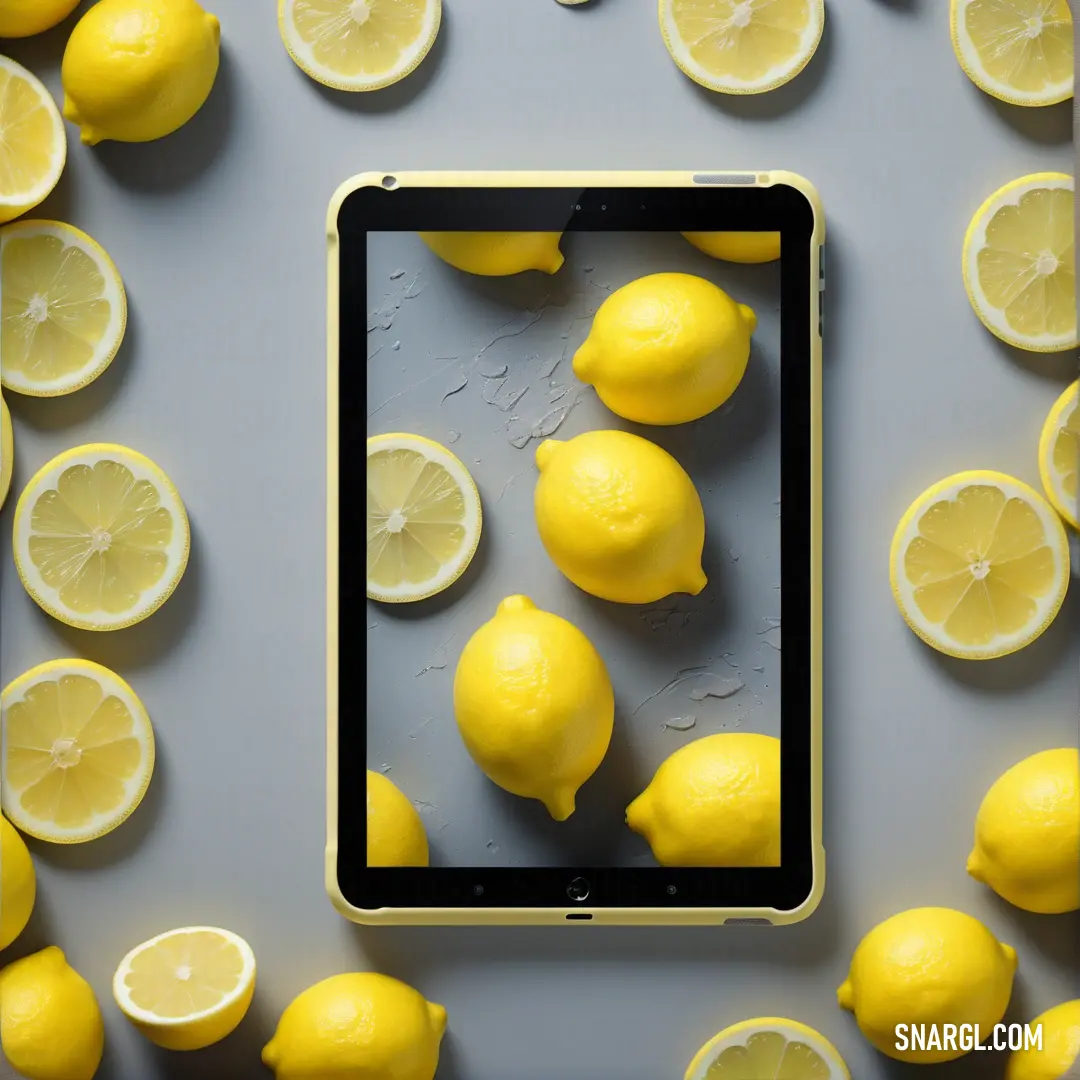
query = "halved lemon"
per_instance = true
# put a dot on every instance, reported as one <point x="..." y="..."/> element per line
<point x="101" y="537"/>
<point x="742" y="46"/>
<point x="63" y="310"/>
<point x="359" y="44"/>
<point x="1019" y="51"/>
<point x="770" y="1047"/>
<point x="78" y="751"/>
<point x="423" y="518"/>
<point x="1019" y="263"/>
<point x="186" y="989"/>
<point x="7" y="450"/>
<point x="33" y="150"/>
<point x="979" y="565"/>
<point x="1059" y="454"/>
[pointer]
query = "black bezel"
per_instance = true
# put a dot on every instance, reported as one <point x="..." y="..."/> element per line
<point x="666" y="209"/>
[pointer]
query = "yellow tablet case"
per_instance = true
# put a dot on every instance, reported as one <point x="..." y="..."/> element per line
<point x="556" y="916"/>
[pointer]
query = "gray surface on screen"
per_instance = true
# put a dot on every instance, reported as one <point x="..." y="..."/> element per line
<point x="219" y="233"/>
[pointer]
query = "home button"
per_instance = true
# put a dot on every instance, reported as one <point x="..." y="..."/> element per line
<point x="578" y="890"/>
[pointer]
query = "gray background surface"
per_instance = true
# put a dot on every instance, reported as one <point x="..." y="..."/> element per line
<point x="219" y="233"/>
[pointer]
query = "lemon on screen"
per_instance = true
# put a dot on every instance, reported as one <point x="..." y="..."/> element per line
<point x="1059" y="455"/>
<point x="1019" y="263"/>
<point x="738" y="247"/>
<point x="358" y="44"/>
<point x="1027" y="834"/>
<point x="497" y="254"/>
<point x="186" y="989"/>
<point x="7" y="451"/>
<point x="534" y="704"/>
<point x="927" y="966"/>
<point x="768" y="1047"/>
<point x="423" y="518"/>
<point x="137" y="70"/>
<point x="1020" y="51"/>
<point x="18" y="884"/>
<point x="620" y="517"/>
<point x="395" y="833"/>
<point x="24" y="18"/>
<point x="63" y="312"/>
<point x="1060" y="1050"/>
<point x="742" y="46"/>
<point x="359" y="1024"/>
<point x="979" y="565"/>
<point x="51" y="1026"/>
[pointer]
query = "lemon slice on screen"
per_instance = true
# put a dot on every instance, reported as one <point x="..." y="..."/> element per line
<point x="1019" y="51"/>
<point x="359" y="44"/>
<point x="423" y="518"/>
<point x="63" y="312"/>
<point x="7" y="450"/>
<point x="769" y="1047"/>
<point x="78" y="751"/>
<point x="188" y="988"/>
<point x="742" y="46"/>
<point x="979" y="565"/>
<point x="101" y="537"/>
<point x="1019" y="263"/>
<point x="1059" y="454"/>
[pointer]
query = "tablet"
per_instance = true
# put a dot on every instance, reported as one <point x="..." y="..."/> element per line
<point x="441" y="329"/>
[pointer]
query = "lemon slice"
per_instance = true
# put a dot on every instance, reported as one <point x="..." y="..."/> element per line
<point x="979" y="565"/>
<point x="63" y="311"/>
<point x="756" y="1049"/>
<point x="1019" y="263"/>
<point x="423" y="518"/>
<point x="1020" y="51"/>
<point x="78" y="751"/>
<point x="742" y="46"/>
<point x="1059" y="454"/>
<point x="359" y="44"/>
<point x="188" y="988"/>
<point x="34" y="147"/>
<point x="101" y="537"/>
<point x="7" y="450"/>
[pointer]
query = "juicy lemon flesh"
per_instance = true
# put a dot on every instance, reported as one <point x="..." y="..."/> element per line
<point x="27" y="148"/>
<point x="1024" y="44"/>
<point x="979" y="564"/>
<point x="1066" y="454"/>
<point x="359" y="37"/>
<point x="416" y="512"/>
<point x="54" y="312"/>
<point x="1026" y="267"/>
<point x="100" y="538"/>
<point x="769" y="1054"/>
<point x="71" y="751"/>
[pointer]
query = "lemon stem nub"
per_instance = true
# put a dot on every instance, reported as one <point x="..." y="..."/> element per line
<point x="974" y="867"/>
<point x="845" y="996"/>
<point x="561" y="804"/>
<point x="545" y="450"/>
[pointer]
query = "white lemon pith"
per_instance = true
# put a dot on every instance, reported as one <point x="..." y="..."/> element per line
<point x="188" y="988"/>
<point x="1059" y="1053"/>
<point x="101" y="537"/>
<point x="24" y="18"/>
<point x="497" y="254"/>
<point x="1019" y="263"/>
<point x="395" y="833"/>
<point x="768" y="1047"/>
<point x="63" y="308"/>
<point x="1059" y="455"/>
<point x="359" y="45"/>
<point x="737" y="247"/>
<point x="78" y="751"/>
<point x="18" y="884"/>
<point x="1019" y="51"/>
<point x="34" y="148"/>
<point x="979" y="565"/>
<point x="423" y="518"/>
<point x="7" y="451"/>
<point x="742" y="46"/>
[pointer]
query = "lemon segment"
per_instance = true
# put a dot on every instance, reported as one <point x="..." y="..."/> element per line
<point x="1060" y="1050"/>
<point x="358" y="45"/>
<point x="1019" y="51"/>
<point x="18" y="884"/>
<point x="1019" y="263"/>
<point x="497" y="254"/>
<point x="979" y="565"/>
<point x="7" y="451"/>
<point x="63" y="310"/>
<point x="769" y="1047"/>
<point x="1059" y="455"/>
<point x="395" y="833"/>
<point x="742" y="46"/>
<point x="737" y="247"/>
<point x="423" y="518"/>
<point x="24" y="18"/>
<point x="34" y="148"/>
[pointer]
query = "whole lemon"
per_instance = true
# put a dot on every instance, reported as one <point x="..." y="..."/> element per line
<point x="18" y="884"/>
<point x="534" y="704"/>
<point x="714" y="802"/>
<point x="666" y="349"/>
<point x="24" y="18"/>
<point x="50" y="1023"/>
<point x="927" y="966"/>
<point x="620" y="517"/>
<point x="395" y="833"/>
<point x="7" y="451"/>
<point x="136" y="70"/>
<point x="738" y="247"/>
<point x="1027" y="834"/>
<point x="357" y="1025"/>
<point x="1060" y="1049"/>
<point x="497" y="254"/>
